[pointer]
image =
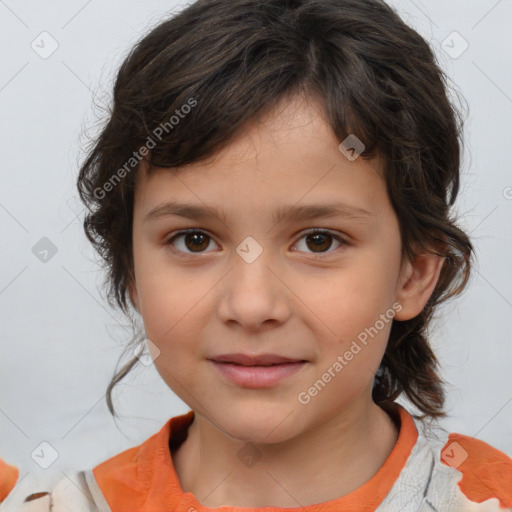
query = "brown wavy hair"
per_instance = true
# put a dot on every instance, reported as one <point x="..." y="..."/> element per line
<point x="375" y="77"/>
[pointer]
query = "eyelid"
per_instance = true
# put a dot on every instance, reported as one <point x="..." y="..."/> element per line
<point x="310" y="231"/>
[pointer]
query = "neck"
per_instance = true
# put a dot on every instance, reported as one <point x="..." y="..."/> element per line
<point x="324" y="463"/>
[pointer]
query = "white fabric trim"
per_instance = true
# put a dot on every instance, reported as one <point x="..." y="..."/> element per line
<point x="77" y="492"/>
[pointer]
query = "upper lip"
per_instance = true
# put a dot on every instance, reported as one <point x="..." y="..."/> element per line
<point x="260" y="360"/>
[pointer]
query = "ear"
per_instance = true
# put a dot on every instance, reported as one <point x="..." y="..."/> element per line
<point x="416" y="284"/>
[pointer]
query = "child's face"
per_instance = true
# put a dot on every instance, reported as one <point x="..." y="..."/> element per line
<point x="203" y="297"/>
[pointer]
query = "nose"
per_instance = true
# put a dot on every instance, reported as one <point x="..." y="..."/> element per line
<point x="254" y="292"/>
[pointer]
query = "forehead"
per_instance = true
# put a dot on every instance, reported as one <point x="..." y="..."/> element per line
<point x="290" y="155"/>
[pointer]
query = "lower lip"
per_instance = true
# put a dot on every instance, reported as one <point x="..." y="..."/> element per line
<point x="257" y="376"/>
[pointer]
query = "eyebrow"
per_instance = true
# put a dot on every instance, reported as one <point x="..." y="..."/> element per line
<point x="287" y="212"/>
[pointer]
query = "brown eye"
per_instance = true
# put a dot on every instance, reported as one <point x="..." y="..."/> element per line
<point x="320" y="241"/>
<point x="190" y="241"/>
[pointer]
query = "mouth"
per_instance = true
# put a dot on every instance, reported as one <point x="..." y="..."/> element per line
<point x="260" y="360"/>
<point x="256" y="371"/>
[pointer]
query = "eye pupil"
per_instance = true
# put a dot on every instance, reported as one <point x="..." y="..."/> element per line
<point x="194" y="238"/>
<point x="320" y="239"/>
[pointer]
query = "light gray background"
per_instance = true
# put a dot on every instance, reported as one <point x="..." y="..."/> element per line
<point x="59" y="339"/>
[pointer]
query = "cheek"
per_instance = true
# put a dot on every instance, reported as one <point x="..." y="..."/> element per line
<point x="349" y="299"/>
<point x="354" y="313"/>
<point x="173" y="309"/>
<point x="165" y="293"/>
<point x="169" y="322"/>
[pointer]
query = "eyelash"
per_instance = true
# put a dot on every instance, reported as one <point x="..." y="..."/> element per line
<point x="314" y="231"/>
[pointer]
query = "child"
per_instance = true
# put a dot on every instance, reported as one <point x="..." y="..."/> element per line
<point x="243" y="137"/>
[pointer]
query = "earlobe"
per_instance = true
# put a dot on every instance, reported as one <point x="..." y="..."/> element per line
<point x="419" y="281"/>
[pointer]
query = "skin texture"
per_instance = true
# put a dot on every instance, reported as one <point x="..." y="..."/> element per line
<point x="307" y="303"/>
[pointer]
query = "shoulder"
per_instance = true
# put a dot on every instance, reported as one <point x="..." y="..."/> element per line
<point x="486" y="472"/>
<point x="34" y="492"/>
<point x="77" y="489"/>
<point x="469" y="475"/>
<point x="450" y="472"/>
<point x="124" y="476"/>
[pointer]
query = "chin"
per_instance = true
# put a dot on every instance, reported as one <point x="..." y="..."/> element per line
<point x="260" y="424"/>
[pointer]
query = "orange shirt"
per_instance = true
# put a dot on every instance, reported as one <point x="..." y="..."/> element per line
<point x="457" y="474"/>
<point x="144" y="478"/>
